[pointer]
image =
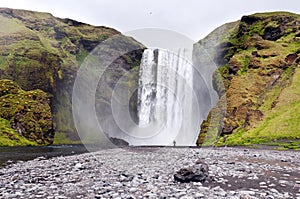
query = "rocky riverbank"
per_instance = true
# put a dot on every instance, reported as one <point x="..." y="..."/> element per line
<point x="148" y="173"/>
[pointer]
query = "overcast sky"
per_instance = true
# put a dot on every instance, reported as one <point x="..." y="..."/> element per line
<point x="192" y="18"/>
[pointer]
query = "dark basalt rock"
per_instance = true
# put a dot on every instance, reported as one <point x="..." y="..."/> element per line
<point x="291" y="58"/>
<point x="224" y="53"/>
<point x="228" y="127"/>
<point x="250" y="19"/>
<point x="196" y="173"/>
<point x="72" y="22"/>
<point x="273" y="33"/>
<point x="59" y="34"/>
<point x="89" y="45"/>
<point x="119" y="142"/>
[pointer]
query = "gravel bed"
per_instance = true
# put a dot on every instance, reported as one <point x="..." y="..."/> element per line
<point x="147" y="172"/>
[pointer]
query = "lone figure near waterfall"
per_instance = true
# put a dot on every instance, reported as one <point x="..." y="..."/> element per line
<point x="174" y="143"/>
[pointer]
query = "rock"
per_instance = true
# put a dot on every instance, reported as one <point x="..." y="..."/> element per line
<point x="282" y="181"/>
<point x="119" y="142"/>
<point x="250" y="19"/>
<point x="197" y="184"/>
<point x="196" y="173"/>
<point x="222" y="194"/>
<point x="151" y="195"/>
<point x="273" y="33"/>
<point x="199" y="195"/>
<point x="180" y="194"/>
<point x="79" y="166"/>
<point x="251" y="193"/>
<point x="117" y="184"/>
<point x="274" y="190"/>
<point x="126" y="177"/>
<point x="291" y="58"/>
<point x="186" y="197"/>
<point x="262" y="183"/>
<point x="57" y="177"/>
<point x="132" y="190"/>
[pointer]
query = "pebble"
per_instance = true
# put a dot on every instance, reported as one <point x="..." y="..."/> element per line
<point x="132" y="189"/>
<point x="199" y="195"/>
<point x="282" y="182"/>
<point x="251" y="193"/>
<point x="148" y="173"/>
<point x="274" y="190"/>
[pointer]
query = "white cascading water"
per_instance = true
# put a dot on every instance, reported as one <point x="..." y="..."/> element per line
<point x="147" y="93"/>
<point x="165" y="98"/>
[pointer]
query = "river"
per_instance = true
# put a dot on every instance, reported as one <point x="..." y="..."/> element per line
<point x="9" y="155"/>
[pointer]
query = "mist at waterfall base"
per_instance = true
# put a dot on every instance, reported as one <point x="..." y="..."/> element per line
<point x="168" y="109"/>
<point x="161" y="99"/>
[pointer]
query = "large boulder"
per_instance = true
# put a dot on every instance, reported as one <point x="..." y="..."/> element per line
<point x="195" y="173"/>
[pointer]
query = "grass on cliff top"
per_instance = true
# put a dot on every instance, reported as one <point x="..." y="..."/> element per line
<point x="271" y="14"/>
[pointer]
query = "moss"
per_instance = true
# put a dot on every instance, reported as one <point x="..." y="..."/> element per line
<point x="272" y="14"/>
<point x="9" y="26"/>
<point x="261" y="82"/>
<point x="9" y="137"/>
<point x="39" y="51"/>
<point x="81" y="55"/>
<point x="28" y="113"/>
<point x="222" y="78"/>
<point x="102" y="37"/>
<point x="282" y="122"/>
<point x="62" y="138"/>
<point x="256" y="28"/>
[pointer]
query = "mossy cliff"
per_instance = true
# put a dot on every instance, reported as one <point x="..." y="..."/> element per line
<point x="25" y="116"/>
<point x="40" y="51"/>
<point x="258" y="60"/>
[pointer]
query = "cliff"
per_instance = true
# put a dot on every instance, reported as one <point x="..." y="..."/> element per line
<point x="257" y="79"/>
<point x="40" y="51"/>
<point x="25" y="116"/>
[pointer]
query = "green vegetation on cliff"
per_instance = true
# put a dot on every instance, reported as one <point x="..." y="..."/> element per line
<point x="258" y="60"/>
<point x="9" y="137"/>
<point x="40" y="51"/>
<point x="25" y="116"/>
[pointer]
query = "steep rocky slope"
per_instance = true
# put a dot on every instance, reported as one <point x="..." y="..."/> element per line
<point x="258" y="80"/>
<point x="40" y="51"/>
<point x="25" y="116"/>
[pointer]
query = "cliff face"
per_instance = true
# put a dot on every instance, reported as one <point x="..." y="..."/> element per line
<point x="25" y="116"/>
<point x="40" y="51"/>
<point x="259" y="73"/>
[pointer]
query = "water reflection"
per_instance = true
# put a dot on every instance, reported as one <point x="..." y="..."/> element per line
<point x="10" y="155"/>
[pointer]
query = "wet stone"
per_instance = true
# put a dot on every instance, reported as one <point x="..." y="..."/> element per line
<point x="148" y="173"/>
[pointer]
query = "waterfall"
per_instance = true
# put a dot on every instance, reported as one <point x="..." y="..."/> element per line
<point x="172" y="101"/>
<point x="165" y="99"/>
